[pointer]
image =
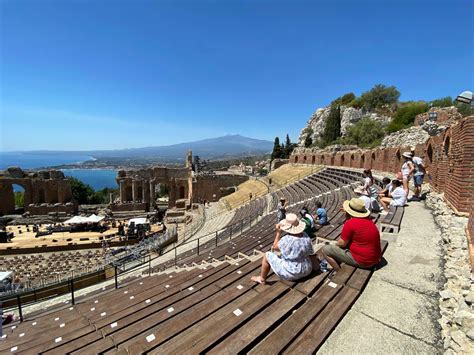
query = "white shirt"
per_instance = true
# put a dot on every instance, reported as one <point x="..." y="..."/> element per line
<point x="367" y="202"/>
<point x="418" y="162"/>
<point x="405" y="170"/>
<point x="399" y="197"/>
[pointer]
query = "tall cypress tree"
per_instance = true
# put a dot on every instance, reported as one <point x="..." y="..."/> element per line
<point x="332" y="131"/>
<point x="288" y="147"/>
<point x="277" y="151"/>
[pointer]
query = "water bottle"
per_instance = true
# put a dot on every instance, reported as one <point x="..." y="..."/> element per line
<point x="323" y="265"/>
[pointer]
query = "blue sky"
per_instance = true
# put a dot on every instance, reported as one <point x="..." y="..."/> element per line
<point x="118" y="74"/>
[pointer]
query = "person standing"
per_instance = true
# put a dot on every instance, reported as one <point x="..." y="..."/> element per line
<point x="281" y="209"/>
<point x="418" y="176"/>
<point x="407" y="170"/>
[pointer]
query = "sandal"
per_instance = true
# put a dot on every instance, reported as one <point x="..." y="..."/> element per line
<point x="258" y="280"/>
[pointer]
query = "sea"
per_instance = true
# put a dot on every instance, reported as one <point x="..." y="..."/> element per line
<point x="96" y="178"/>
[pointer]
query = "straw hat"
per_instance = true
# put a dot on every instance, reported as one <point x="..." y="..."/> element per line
<point x="355" y="207"/>
<point x="360" y="190"/>
<point x="292" y="225"/>
<point x="407" y="155"/>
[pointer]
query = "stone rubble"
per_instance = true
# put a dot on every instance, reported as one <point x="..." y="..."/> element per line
<point x="457" y="296"/>
<point x="406" y="137"/>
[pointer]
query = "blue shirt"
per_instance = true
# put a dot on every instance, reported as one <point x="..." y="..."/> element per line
<point x="322" y="215"/>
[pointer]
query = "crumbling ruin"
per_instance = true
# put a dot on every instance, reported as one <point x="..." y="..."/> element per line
<point x="45" y="191"/>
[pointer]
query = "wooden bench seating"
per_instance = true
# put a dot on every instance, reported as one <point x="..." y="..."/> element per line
<point x="392" y="220"/>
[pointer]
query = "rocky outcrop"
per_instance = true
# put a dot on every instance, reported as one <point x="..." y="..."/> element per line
<point x="405" y="137"/>
<point x="349" y="117"/>
<point x="457" y="295"/>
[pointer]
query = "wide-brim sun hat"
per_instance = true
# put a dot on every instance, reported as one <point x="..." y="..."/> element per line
<point x="292" y="225"/>
<point x="360" y="190"/>
<point x="356" y="208"/>
<point x="407" y="155"/>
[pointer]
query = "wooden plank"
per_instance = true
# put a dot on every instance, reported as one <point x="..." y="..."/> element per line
<point x="319" y="329"/>
<point x="219" y="327"/>
<point x="277" y="340"/>
<point x="359" y="278"/>
<point x="179" y="323"/>
<point x="242" y="338"/>
<point x="311" y="284"/>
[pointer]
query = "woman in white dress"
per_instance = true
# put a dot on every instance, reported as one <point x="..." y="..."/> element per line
<point x="407" y="170"/>
<point x="296" y="260"/>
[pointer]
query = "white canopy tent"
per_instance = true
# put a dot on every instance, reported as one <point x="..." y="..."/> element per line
<point x="79" y="219"/>
<point x="138" y="221"/>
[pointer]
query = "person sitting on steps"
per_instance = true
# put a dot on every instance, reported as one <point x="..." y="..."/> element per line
<point x="387" y="187"/>
<point x="369" y="184"/>
<point x="308" y="220"/>
<point x="359" y="244"/>
<point x="321" y="216"/>
<point x="396" y="198"/>
<point x="296" y="260"/>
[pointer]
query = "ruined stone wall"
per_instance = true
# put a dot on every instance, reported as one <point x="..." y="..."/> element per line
<point x="205" y="187"/>
<point x="449" y="159"/>
<point x="47" y="189"/>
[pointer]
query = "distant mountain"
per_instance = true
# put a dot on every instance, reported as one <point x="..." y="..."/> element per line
<point x="214" y="148"/>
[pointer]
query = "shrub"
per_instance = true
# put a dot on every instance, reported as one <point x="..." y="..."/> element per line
<point x="405" y="116"/>
<point x="443" y="102"/>
<point x="366" y="133"/>
<point x="464" y="109"/>
<point x="344" y="99"/>
<point x="379" y="96"/>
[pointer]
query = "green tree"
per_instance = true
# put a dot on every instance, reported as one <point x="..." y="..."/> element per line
<point x="19" y="198"/>
<point x="366" y="133"/>
<point x="332" y="130"/>
<point x="344" y="99"/>
<point x="443" y="102"/>
<point x="464" y="109"/>
<point x="405" y="115"/>
<point x="80" y="192"/>
<point x="379" y="96"/>
<point x="277" y="151"/>
<point x="308" y="141"/>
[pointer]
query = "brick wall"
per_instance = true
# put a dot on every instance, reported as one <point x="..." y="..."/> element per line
<point x="449" y="159"/>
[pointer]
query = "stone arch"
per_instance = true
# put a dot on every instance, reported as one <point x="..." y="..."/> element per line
<point x="372" y="157"/>
<point x="342" y="159"/>
<point x="296" y="159"/>
<point x="362" y="160"/>
<point x="447" y="145"/>
<point x="429" y="153"/>
<point x="182" y="192"/>
<point x="398" y="155"/>
<point x="128" y="193"/>
<point x="140" y="193"/>
<point x="41" y="195"/>
<point x="304" y="159"/>
<point x="313" y="159"/>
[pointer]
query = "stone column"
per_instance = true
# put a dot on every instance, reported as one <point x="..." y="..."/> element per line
<point x="134" y="190"/>
<point x="152" y="193"/>
<point x="122" y="191"/>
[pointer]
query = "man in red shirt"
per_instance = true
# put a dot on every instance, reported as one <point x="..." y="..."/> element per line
<point x="359" y="244"/>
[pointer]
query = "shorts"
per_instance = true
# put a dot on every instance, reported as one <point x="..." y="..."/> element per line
<point x="418" y="180"/>
<point x="340" y="255"/>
